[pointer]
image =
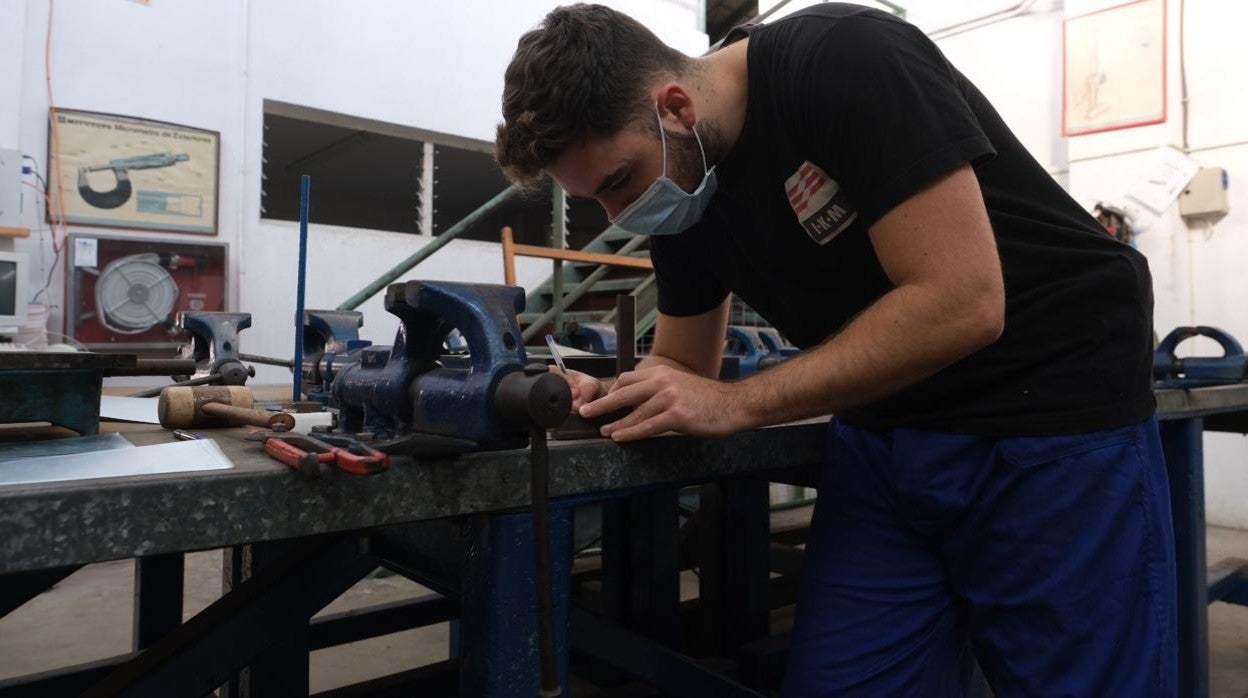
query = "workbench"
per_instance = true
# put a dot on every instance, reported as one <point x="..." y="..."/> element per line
<point x="340" y="529"/>
<point x="458" y="527"/>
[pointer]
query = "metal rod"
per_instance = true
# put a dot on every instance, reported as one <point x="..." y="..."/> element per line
<point x="423" y="253"/>
<point x="559" y="222"/>
<point x="156" y="367"/>
<point x="267" y="360"/>
<point x="540" y="472"/>
<point x="896" y="9"/>
<point x="202" y="380"/>
<point x="305" y="193"/>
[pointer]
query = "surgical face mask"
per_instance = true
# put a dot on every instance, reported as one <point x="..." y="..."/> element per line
<point x="664" y="208"/>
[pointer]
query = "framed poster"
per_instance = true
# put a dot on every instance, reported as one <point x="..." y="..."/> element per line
<point x="124" y="293"/>
<point x="1114" y="68"/>
<point x="123" y="172"/>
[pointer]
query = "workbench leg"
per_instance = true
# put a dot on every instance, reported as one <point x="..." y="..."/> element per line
<point x="158" y="581"/>
<point x="734" y="581"/>
<point x="283" y="669"/>
<point x="641" y="564"/>
<point x="498" y="627"/>
<point x="1182" y="444"/>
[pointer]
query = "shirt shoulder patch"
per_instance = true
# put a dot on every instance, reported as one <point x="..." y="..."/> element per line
<point x="818" y="202"/>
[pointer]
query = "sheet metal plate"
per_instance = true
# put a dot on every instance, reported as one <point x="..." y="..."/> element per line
<point x="62" y="447"/>
<point x="178" y="457"/>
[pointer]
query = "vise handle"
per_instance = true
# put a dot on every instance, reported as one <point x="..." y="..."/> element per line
<point x="1232" y="366"/>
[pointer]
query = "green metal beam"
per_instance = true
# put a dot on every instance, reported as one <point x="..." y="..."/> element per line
<point x="424" y="253"/>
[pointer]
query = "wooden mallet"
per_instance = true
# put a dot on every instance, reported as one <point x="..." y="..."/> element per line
<point x="206" y="406"/>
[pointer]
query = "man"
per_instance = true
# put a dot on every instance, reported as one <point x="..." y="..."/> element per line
<point x="994" y="484"/>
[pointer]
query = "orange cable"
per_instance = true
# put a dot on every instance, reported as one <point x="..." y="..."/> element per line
<point x="54" y="135"/>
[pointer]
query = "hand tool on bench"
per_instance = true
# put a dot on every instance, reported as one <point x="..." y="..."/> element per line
<point x="351" y="455"/>
<point x="306" y="452"/>
<point x="200" y="406"/>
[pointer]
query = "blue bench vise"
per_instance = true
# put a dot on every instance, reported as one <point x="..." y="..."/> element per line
<point x="408" y="398"/>
<point x="1170" y="371"/>
<point x="596" y="337"/>
<point x="756" y="348"/>
<point x="331" y="341"/>
<point x="214" y="346"/>
<point x="776" y="344"/>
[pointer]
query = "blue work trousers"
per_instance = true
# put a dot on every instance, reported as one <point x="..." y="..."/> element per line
<point x="1048" y="559"/>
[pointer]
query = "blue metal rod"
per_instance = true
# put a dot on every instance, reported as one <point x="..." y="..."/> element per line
<point x="305" y="193"/>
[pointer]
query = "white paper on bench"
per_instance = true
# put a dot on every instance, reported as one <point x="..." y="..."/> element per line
<point x="178" y="457"/>
<point x="129" y="409"/>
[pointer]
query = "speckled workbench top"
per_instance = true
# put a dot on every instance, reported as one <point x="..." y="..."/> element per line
<point x="72" y="523"/>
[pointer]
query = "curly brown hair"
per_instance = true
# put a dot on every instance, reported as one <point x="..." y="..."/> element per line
<point x="585" y="71"/>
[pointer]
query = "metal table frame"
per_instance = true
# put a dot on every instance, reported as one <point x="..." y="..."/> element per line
<point x="472" y="546"/>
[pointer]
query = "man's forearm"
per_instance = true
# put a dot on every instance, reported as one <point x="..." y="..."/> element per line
<point x="907" y="335"/>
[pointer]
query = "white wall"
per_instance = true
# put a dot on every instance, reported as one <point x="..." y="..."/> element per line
<point x="1197" y="271"/>
<point x="12" y="36"/>
<point x="431" y="65"/>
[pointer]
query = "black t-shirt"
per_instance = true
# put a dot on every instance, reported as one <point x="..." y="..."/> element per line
<point x="851" y="111"/>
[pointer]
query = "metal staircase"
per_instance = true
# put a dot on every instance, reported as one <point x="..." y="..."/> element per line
<point x="589" y="290"/>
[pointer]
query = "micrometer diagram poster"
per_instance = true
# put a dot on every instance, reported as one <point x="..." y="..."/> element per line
<point x="1114" y="68"/>
<point x="124" y="172"/>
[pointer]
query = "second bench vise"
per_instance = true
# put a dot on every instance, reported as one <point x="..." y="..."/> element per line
<point x="405" y="396"/>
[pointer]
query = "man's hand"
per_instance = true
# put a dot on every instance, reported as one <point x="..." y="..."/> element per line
<point x="585" y="388"/>
<point x="668" y="399"/>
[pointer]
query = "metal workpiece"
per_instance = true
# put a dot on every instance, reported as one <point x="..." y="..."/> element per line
<point x="54" y="525"/>
<point x="214" y="345"/>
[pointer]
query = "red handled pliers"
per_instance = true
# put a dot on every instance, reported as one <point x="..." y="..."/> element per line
<point x="305" y="453"/>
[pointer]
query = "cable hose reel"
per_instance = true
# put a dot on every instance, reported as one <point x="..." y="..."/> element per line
<point x="134" y="294"/>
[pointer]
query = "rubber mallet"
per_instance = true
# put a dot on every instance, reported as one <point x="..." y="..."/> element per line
<point x="204" y="406"/>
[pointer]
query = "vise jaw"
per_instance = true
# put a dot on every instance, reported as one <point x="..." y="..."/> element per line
<point x="1170" y="371"/>
<point x="331" y="340"/>
<point x="214" y="345"/>
<point x="493" y="400"/>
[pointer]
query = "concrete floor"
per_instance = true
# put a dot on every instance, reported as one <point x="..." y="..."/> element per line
<point x="88" y="616"/>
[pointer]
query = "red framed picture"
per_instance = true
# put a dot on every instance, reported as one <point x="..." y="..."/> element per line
<point x="124" y="293"/>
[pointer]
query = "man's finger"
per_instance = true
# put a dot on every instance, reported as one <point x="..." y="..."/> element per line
<point x="625" y="379"/>
<point x="624" y="397"/>
<point x="644" y="411"/>
<point x="658" y="424"/>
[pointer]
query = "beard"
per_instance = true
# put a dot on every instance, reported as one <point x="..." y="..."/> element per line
<point x="684" y="158"/>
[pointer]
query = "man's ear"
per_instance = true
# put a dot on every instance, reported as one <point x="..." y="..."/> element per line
<point x="676" y="109"/>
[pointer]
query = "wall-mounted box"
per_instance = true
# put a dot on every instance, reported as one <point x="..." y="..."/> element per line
<point x="10" y="188"/>
<point x="1206" y="195"/>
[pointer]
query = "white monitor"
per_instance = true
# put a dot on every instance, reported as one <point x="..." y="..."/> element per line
<point x="14" y="276"/>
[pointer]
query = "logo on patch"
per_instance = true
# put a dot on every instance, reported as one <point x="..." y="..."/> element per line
<point x="817" y="200"/>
